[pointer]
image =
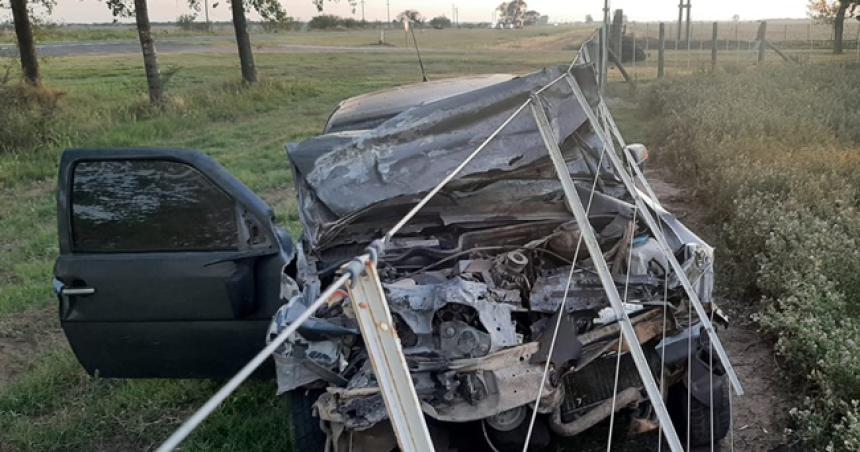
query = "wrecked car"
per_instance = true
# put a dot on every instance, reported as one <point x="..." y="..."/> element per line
<point x="170" y="267"/>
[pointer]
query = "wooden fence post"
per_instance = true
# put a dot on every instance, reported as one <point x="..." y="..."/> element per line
<point x="762" y="41"/>
<point x="617" y="30"/>
<point x="714" y="48"/>
<point x="661" y="51"/>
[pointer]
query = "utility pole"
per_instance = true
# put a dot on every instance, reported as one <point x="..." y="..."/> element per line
<point x="688" y="22"/>
<point x="206" y="13"/>
<point x="388" y="13"/>
<point x="661" y="51"/>
<point x="604" y="47"/>
<point x="680" y="22"/>
<point x="362" y="11"/>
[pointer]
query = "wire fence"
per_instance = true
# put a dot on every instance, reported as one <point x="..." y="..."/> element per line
<point x="788" y="35"/>
<point x="736" y="45"/>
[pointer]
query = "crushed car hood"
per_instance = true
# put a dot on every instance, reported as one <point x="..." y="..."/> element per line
<point x="352" y="182"/>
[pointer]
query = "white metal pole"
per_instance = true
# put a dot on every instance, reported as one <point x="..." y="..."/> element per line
<point x="590" y="239"/>
<point x="204" y="411"/>
<point x="389" y="365"/>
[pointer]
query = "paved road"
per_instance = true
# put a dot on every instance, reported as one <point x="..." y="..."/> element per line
<point x="67" y="49"/>
<point x="64" y="49"/>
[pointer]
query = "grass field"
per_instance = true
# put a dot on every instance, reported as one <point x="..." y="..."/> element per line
<point x="47" y="402"/>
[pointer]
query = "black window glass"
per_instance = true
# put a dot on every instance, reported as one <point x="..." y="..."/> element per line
<point x="149" y="205"/>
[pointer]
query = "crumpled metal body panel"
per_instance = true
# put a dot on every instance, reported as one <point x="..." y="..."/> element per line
<point x="405" y="156"/>
<point x="417" y="304"/>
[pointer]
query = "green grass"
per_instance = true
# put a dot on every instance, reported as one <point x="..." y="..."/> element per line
<point x="50" y="403"/>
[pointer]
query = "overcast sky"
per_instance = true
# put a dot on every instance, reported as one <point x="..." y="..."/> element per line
<point x="470" y="10"/>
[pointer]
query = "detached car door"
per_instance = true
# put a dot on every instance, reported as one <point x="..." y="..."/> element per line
<point x="168" y="266"/>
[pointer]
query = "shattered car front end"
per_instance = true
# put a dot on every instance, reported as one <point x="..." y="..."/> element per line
<point x="476" y="281"/>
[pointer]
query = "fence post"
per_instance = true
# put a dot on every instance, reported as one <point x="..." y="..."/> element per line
<point x="633" y="37"/>
<point x="714" y="48"/>
<point x="661" y="51"/>
<point x="737" y="45"/>
<point x="762" y="41"/>
<point x="617" y="30"/>
<point x="689" y="47"/>
<point x="647" y="39"/>
<point x="600" y="57"/>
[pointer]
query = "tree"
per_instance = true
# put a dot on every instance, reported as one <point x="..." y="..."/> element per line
<point x="512" y="13"/>
<point x="186" y="21"/>
<point x="531" y="17"/>
<point x="140" y="11"/>
<point x="834" y="12"/>
<point x="411" y="15"/>
<point x="440" y="22"/>
<point x="24" y="37"/>
<point x="589" y="19"/>
<point x="270" y="10"/>
<point x="243" y="41"/>
<point x="320" y="3"/>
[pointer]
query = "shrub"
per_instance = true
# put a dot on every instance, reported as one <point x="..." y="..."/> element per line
<point x="329" y="21"/>
<point x="777" y="151"/>
<point x="28" y="116"/>
<point x="440" y="22"/>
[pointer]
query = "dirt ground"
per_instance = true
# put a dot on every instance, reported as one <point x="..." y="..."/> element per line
<point x="24" y="336"/>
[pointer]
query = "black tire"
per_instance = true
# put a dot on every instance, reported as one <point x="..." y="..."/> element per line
<point x="305" y="434"/>
<point x="700" y="414"/>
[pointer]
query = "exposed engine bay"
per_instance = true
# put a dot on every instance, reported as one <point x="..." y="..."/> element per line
<point x="476" y="282"/>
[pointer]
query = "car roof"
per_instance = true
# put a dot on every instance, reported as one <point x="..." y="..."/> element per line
<point x="369" y="110"/>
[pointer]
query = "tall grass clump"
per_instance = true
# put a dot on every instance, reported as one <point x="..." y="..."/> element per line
<point x="38" y="123"/>
<point x="28" y="115"/>
<point x="776" y="153"/>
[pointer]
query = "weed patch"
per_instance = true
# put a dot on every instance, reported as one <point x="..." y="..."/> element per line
<point x="777" y="154"/>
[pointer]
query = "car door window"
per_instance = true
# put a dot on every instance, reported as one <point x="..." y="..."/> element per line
<point x="142" y="205"/>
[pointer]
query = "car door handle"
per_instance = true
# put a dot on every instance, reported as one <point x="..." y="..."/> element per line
<point x="77" y="291"/>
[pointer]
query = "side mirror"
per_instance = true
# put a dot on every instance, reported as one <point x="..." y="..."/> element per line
<point x="636" y="154"/>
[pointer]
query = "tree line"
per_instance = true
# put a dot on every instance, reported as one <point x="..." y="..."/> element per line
<point x="269" y="10"/>
<point x="514" y="13"/>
